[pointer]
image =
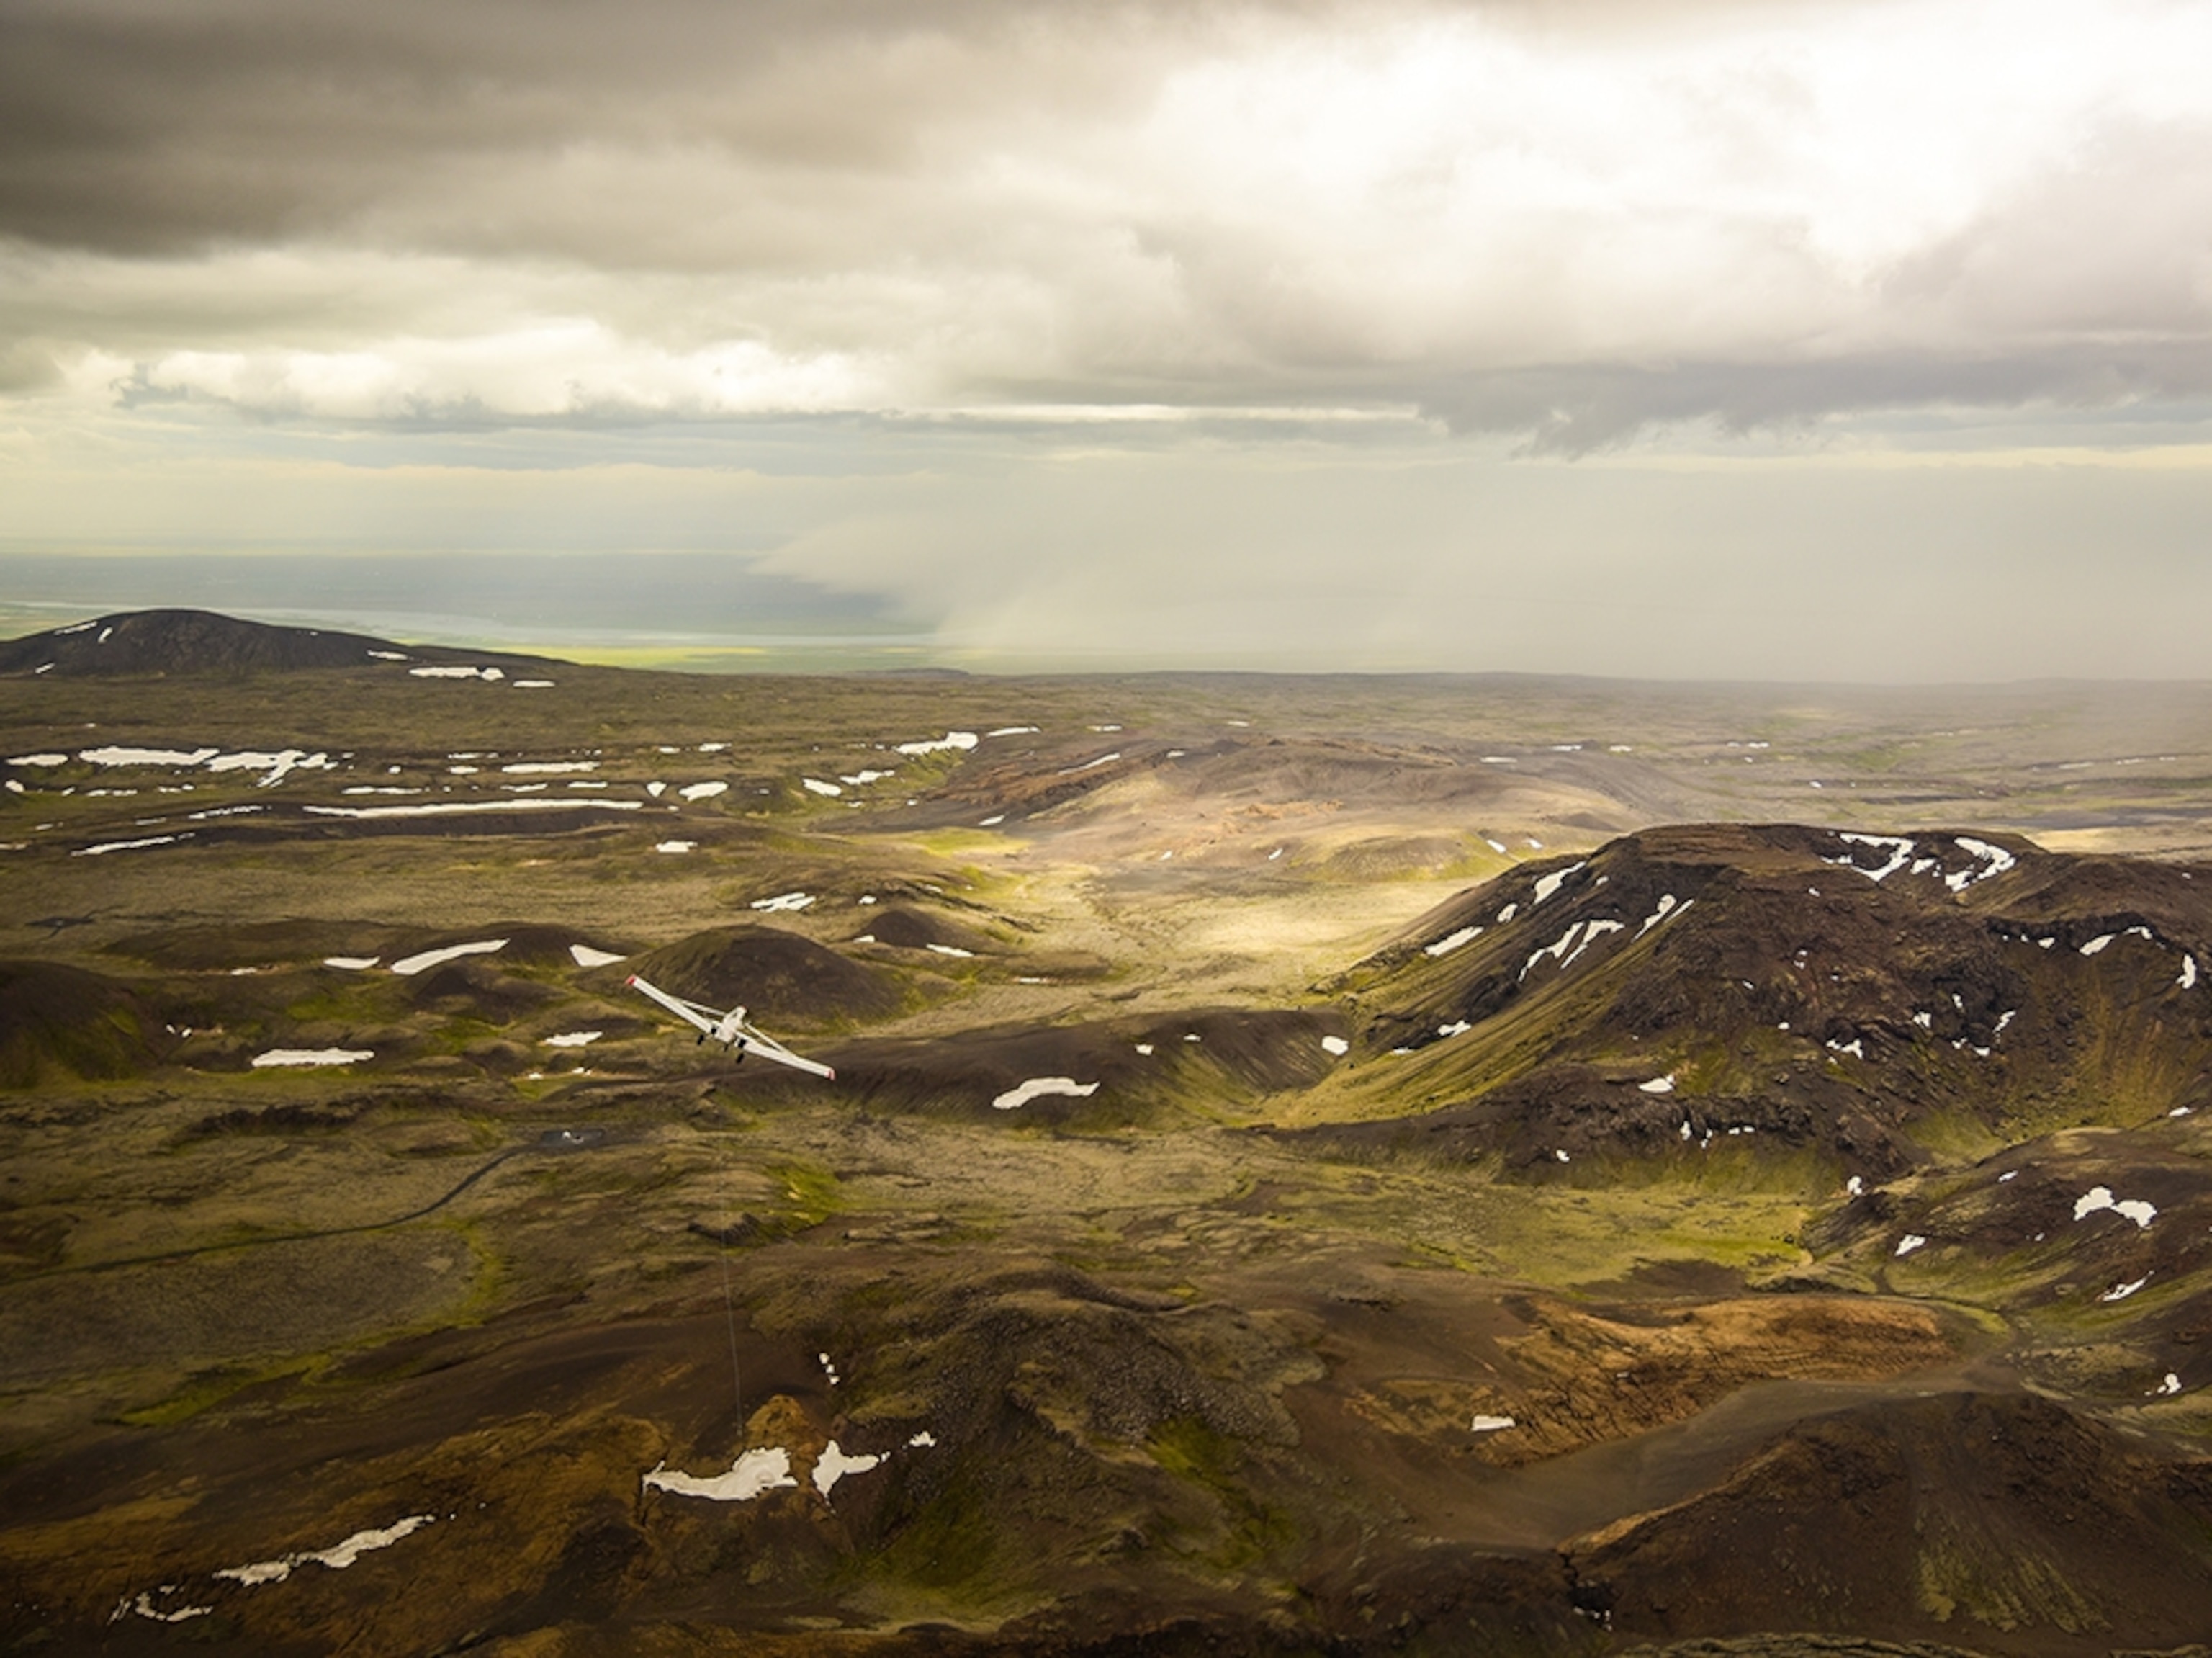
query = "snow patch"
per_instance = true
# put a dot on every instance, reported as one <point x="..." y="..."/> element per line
<point x="2120" y="1292"/>
<point x="702" y="790"/>
<point x="1489" y="1424"/>
<point x="812" y="785"/>
<point x="950" y="740"/>
<point x="833" y="1465"/>
<point x="1038" y="1087"/>
<point x="2099" y="1197"/>
<point x="107" y="846"/>
<point x="783" y="901"/>
<point x="311" y="1056"/>
<point x="1900" y="850"/>
<point x="144" y="1606"/>
<point x="1565" y="949"/>
<point x="574" y="1038"/>
<point x="352" y="963"/>
<point x="1996" y="858"/>
<point x="674" y="846"/>
<point x="118" y="756"/>
<point x="450" y="808"/>
<point x="1657" y="1085"/>
<point x="276" y="766"/>
<point x="408" y="966"/>
<point x="337" y="1557"/>
<point x="585" y="956"/>
<point x="1451" y="942"/>
<point x="766" y="1469"/>
<point x="1592" y="932"/>
<point x="1548" y="884"/>
<point x="1909" y="1242"/>
<point x="1336" y="1045"/>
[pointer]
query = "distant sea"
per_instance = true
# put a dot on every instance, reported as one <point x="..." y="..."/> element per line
<point x="704" y="611"/>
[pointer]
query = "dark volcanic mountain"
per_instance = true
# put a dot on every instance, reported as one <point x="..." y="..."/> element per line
<point x="204" y="642"/>
<point x="1789" y="988"/>
<point x="1900" y="1517"/>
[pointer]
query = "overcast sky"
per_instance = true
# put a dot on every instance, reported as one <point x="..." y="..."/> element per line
<point x="1713" y="338"/>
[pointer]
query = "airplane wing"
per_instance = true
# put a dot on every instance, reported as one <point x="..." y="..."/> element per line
<point x="690" y="1012"/>
<point x="713" y="1022"/>
<point x="770" y="1048"/>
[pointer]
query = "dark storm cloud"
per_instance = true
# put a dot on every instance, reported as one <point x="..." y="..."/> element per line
<point x="146" y="128"/>
<point x="1577" y="411"/>
<point x="1574" y="221"/>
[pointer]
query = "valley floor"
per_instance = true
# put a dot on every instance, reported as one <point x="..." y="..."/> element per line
<point x="1274" y="1198"/>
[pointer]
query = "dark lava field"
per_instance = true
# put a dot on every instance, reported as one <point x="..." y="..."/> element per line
<point x="1331" y="1166"/>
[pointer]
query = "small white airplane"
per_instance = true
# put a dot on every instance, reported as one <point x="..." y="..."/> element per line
<point x="730" y="1029"/>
